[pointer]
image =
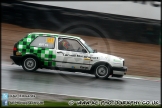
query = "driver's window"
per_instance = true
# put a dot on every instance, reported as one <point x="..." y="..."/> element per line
<point x="69" y="45"/>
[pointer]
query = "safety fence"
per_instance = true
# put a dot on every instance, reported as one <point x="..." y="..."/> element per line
<point x="53" y="18"/>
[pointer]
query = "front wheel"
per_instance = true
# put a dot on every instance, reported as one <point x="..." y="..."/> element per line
<point x="102" y="71"/>
<point x="30" y="64"/>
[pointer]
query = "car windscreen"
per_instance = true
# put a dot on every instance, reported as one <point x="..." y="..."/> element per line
<point x="87" y="46"/>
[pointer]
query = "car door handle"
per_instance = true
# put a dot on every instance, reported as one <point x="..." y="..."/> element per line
<point x="59" y="52"/>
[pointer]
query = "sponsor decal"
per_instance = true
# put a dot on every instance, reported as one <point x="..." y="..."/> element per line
<point x="79" y="55"/>
<point x="72" y="55"/>
<point x="103" y="58"/>
<point x="73" y="67"/>
<point x="93" y="57"/>
<point x="87" y="59"/>
<point x="43" y="44"/>
<point x="117" y="63"/>
<point x="83" y="67"/>
<point x="58" y="65"/>
<point x="50" y="40"/>
<point x="116" y="60"/>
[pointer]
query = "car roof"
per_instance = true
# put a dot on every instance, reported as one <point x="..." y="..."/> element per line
<point x="54" y="34"/>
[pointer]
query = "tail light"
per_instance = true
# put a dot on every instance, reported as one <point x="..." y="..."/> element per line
<point x="14" y="49"/>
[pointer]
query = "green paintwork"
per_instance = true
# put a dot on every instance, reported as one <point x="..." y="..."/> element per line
<point x="46" y="55"/>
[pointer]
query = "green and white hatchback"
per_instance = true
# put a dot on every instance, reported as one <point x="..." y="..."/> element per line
<point x="67" y="53"/>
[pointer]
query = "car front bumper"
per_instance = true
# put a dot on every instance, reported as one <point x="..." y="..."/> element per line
<point x="16" y="59"/>
<point x="119" y="70"/>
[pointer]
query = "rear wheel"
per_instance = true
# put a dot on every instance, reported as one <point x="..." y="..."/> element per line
<point x="102" y="71"/>
<point x="30" y="64"/>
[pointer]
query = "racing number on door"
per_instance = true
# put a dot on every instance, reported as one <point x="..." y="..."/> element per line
<point x="50" y="40"/>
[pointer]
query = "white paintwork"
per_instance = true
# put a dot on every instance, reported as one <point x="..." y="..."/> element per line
<point x="126" y="8"/>
<point x="80" y="62"/>
<point x="77" y="60"/>
<point x="108" y="58"/>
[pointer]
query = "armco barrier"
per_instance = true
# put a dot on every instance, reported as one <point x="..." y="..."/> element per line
<point x="54" y="18"/>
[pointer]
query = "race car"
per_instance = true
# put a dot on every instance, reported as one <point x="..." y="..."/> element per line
<point x="67" y="53"/>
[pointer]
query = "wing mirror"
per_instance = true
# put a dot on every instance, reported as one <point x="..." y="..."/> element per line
<point x="95" y="51"/>
<point x="84" y="51"/>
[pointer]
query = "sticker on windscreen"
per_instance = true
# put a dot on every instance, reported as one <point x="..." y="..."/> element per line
<point x="50" y="40"/>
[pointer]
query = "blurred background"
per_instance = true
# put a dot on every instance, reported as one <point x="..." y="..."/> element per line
<point x="133" y="30"/>
<point x="128" y="29"/>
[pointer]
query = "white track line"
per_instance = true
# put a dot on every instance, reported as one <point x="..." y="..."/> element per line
<point x="142" y="78"/>
<point x="126" y="76"/>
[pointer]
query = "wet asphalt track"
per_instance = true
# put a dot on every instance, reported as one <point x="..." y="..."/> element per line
<point x="76" y="84"/>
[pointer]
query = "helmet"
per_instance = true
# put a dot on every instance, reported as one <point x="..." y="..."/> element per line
<point x="65" y="44"/>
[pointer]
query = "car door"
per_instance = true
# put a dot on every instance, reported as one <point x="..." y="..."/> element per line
<point x="69" y="54"/>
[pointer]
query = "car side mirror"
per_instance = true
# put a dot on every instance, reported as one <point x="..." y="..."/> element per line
<point x="95" y="51"/>
<point x="84" y="51"/>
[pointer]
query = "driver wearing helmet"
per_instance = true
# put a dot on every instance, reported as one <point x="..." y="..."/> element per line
<point x="64" y="45"/>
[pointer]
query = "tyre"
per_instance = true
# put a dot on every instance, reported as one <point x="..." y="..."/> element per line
<point x="30" y="64"/>
<point x="102" y="71"/>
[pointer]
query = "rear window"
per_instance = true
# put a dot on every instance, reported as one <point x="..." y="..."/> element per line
<point x="44" y="42"/>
